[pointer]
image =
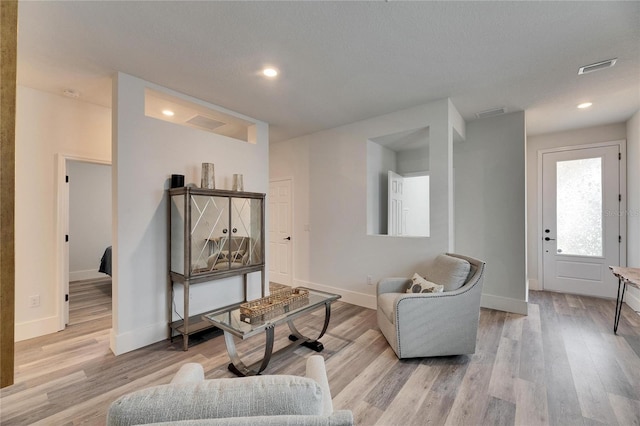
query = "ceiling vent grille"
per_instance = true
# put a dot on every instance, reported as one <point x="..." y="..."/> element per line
<point x="490" y="112"/>
<point x="205" y="122"/>
<point x="597" y="66"/>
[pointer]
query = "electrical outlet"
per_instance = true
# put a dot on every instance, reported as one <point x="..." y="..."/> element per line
<point x="34" y="301"/>
<point x="369" y="280"/>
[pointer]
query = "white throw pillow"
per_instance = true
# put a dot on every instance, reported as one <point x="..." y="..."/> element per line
<point x="420" y="285"/>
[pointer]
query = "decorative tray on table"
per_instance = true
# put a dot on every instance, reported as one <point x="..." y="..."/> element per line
<point x="277" y="303"/>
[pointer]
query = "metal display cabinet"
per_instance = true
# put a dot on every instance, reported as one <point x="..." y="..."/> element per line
<point x="214" y="234"/>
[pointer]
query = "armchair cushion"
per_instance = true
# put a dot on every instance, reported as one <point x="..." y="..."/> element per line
<point x="387" y="303"/>
<point x="450" y="272"/>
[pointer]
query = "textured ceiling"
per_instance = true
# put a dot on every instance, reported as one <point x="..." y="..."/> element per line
<point x="341" y="62"/>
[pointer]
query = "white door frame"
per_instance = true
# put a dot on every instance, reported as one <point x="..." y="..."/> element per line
<point x="622" y="176"/>
<point x="62" y="223"/>
<point x="291" y="206"/>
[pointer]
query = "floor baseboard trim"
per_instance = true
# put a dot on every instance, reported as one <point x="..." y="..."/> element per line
<point x="138" y="338"/>
<point x="351" y="297"/>
<point x="534" y="284"/>
<point x="632" y="298"/>
<point x="505" y="304"/>
<point x="36" y="328"/>
<point x="89" y="274"/>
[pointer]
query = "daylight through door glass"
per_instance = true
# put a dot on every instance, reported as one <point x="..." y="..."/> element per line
<point x="579" y="207"/>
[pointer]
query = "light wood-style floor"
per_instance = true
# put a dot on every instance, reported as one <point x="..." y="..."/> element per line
<point x="560" y="365"/>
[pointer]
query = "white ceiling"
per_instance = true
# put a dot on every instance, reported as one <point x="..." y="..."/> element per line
<point x="341" y="62"/>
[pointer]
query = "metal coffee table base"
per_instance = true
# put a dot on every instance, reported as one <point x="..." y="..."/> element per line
<point x="240" y="369"/>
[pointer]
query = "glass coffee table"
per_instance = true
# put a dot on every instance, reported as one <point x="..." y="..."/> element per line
<point x="233" y="323"/>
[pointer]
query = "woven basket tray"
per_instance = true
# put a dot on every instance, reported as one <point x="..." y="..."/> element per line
<point x="279" y="302"/>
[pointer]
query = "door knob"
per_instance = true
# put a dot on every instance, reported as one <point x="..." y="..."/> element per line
<point x="288" y="238"/>
<point x="549" y="239"/>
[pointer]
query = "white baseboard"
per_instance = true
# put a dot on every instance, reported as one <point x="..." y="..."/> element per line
<point x="89" y="274"/>
<point x="36" y="328"/>
<point x="632" y="298"/>
<point x="505" y="304"/>
<point x="352" y="297"/>
<point x="534" y="284"/>
<point x="138" y="338"/>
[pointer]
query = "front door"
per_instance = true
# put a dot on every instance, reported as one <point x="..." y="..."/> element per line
<point x="581" y="233"/>
<point x="280" y="226"/>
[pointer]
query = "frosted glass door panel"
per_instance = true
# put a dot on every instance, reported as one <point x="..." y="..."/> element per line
<point x="579" y="207"/>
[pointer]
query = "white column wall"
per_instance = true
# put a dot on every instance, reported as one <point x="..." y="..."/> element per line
<point x="490" y="206"/>
<point x="47" y="125"/>
<point x="146" y="151"/>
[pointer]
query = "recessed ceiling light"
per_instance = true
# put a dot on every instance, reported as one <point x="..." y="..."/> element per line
<point x="168" y="112"/>
<point x="585" y="105"/>
<point x="270" y="72"/>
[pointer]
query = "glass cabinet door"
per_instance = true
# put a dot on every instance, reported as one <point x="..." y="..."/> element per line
<point x="209" y="233"/>
<point x="246" y="232"/>
<point x="213" y="233"/>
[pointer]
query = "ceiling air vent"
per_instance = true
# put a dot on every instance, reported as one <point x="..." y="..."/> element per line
<point x="205" y="122"/>
<point x="490" y="112"/>
<point x="597" y="66"/>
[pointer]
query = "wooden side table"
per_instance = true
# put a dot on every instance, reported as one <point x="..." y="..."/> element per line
<point x="625" y="276"/>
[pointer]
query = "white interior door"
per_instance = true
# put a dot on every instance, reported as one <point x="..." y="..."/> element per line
<point x="280" y="227"/>
<point x="396" y="219"/>
<point x="581" y="220"/>
<point x="65" y="263"/>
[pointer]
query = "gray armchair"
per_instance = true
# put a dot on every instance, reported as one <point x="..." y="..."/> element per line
<point x="259" y="400"/>
<point x="433" y="324"/>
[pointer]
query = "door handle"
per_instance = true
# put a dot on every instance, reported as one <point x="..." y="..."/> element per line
<point x="288" y="238"/>
<point x="549" y="239"/>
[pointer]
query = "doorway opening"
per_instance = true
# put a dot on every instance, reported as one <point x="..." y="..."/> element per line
<point x="86" y="231"/>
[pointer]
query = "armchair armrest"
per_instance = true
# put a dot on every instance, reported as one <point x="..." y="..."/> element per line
<point x="392" y="285"/>
<point x="189" y="373"/>
<point x="316" y="370"/>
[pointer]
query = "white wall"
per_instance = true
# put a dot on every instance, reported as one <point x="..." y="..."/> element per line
<point x="413" y="160"/>
<point x="329" y="171"/>
<point x="47" y="125"/>
<point x="146" y="151"/>
<point x="89" y="217"/>
<point x="584" y="136"/>
<point x="490" y="206"/>
<point x="633" y="204"/>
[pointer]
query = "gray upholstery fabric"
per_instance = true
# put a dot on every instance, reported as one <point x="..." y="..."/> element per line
<point x="387" y="304"/>
<point x="258" y="400"/>
<point x="432" y="324"/>
<point x="190" y="372"/>
<point x="339" y="418"/>
<point x="449" y="271"/>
